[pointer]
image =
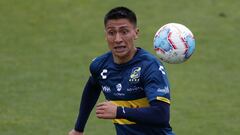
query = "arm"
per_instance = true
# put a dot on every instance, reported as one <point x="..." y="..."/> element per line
<point x="89" y="98"/>
<point x="156" y="114"/>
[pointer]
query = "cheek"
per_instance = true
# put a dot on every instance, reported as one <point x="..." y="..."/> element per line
<point x="130" y="40"/>
<point x="110" y="43"/>
<point x="131" y="37"/>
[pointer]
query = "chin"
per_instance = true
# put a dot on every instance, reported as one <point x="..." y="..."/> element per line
<point x="121" y="55"/>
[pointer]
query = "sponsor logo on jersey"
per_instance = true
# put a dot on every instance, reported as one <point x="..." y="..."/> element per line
<point x="134" y="89"/>
<point x="119" y="94"/>
<point x="135" y="74"/>
<point x="106" y="89"/>
<point x="164" y="90"/>
<point x="119" y="87"/>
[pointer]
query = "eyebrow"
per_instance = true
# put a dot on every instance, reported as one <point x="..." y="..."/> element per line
<point x="121" y="27"/>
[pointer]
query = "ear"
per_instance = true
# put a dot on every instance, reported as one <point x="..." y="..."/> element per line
<point x="136" y="33"/>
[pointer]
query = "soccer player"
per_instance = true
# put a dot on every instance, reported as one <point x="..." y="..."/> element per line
<point x="133" y="81"/>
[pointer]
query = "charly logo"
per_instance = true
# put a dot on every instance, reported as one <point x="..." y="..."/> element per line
<point x="119" y="87"/>
<point x="106" y="89"/>
<point x="135" y="75"/>
<point x="103" y="74"/>
<point x="161" y="68"/>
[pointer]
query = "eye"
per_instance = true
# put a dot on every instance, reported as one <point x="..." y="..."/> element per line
<point x="124" y="31"/>
<point x="111" y="33"/>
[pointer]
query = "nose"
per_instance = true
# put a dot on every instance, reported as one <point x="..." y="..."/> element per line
<point x="118" y="38"/>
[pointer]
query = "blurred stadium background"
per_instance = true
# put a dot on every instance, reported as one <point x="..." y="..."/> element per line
<point x="46" y="47"/>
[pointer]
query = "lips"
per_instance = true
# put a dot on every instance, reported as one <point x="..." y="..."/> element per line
<point x="119" y="49"/>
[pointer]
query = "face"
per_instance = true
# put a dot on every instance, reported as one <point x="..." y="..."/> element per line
<point x="120" y="35"/>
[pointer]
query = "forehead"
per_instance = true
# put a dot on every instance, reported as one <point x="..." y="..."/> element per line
<point x="118" y="23"/>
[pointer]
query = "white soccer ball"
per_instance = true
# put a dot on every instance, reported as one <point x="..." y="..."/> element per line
<point x="174" y="43"/>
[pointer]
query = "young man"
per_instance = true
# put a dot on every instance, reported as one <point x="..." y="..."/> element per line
<point x="133" y="81"/>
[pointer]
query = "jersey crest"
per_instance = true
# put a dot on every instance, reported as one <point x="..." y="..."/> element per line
<point x="135" y="75"/>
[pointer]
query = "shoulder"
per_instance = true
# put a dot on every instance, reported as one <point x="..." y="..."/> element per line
<point x="147" y="58"/>
<point x="151" y="64"/>
<point x="99" y="61"/>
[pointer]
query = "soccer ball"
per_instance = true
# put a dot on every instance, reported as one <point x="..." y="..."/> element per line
<point x="174" y="43"/>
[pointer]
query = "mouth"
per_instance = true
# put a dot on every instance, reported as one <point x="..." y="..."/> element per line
<point x="120" y="48"/>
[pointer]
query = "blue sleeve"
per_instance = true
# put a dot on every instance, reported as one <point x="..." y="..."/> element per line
<point x="90" y="96"/>
<point x="155" y="83"/>
<point x="157" y="114"/>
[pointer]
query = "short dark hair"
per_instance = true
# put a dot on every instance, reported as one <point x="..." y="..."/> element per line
<point x="121" y="13"/>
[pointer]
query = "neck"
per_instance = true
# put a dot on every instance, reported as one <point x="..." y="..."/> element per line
<point x="125" y="59"/>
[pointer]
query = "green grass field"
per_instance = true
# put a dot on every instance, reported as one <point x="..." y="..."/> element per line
<point x="46" y="47"/>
